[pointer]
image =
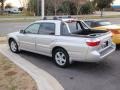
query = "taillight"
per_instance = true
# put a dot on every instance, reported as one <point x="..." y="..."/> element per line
<point x="93" y="43"/>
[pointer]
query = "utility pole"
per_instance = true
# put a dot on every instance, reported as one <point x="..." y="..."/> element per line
<point x="43" y="8"/>
<point x="38" y="7"/>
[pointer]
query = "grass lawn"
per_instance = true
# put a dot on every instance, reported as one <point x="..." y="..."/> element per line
<point x="3" y="40"/>
<point x="15" y="16"/>
<point x="22" y="18"/>
<point x="12" y="77"/>
<point x="19" y="20"/>
<point x="97" y="17"/>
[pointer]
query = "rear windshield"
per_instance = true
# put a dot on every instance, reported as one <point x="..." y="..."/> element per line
<point x="74" y="26"/>
<point x="104" y="23"/>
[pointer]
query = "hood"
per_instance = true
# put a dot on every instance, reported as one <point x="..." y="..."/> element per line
<point x="14" y="33"/>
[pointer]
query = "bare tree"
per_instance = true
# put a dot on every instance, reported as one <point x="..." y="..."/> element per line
<point x="23" y="3"/>
<point x="78" y="4"/>
<point x="101" y="4"/>
<point x="56" y="4"/>
<point x="8" y="5"/>
<point x="2" y="5"/>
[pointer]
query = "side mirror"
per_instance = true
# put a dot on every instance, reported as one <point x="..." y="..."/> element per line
<point x="22" y="31"/>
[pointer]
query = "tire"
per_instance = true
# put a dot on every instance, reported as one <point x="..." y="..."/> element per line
<point x="118" y="47"/>
<point x="61" y="58"/>
<point x="13" y="46"/>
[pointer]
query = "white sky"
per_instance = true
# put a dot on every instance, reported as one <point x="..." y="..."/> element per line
<point x="17" y="3"/>
<point x="117" y="2"/>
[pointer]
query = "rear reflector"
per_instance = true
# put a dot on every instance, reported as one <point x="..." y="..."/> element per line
<point x="93" y="43"/>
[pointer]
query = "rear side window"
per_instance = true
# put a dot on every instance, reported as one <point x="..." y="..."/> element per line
<point x="64" y="29"/>
<point x="47" y="28"/>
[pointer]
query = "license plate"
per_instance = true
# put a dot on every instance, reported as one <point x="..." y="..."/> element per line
<point x="105" y="44"/>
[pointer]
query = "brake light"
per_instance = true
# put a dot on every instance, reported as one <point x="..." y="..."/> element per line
<point x="93" y="43"/>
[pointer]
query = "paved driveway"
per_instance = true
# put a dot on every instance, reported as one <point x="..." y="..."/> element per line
<point x="114" y="20"/>
<point x="82" y="76"/>
<point x="8" y="27"/>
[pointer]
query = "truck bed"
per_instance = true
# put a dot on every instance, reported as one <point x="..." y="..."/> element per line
<point x="89" y="33"/>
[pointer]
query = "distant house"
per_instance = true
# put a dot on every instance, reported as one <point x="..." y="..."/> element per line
<point x="13" y="10"/>
<point x="116" y="7"/>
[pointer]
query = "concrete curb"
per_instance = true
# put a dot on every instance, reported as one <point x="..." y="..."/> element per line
<point x="3" y="39"/>
<point x="43" y="79"/>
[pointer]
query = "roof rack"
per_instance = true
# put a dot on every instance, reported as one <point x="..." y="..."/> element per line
<point x="58" y="18"/>
<point x="44" y="18"/>
<point x="55" y="18"/>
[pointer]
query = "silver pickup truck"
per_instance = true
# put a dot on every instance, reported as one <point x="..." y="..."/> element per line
<point x="65" y="40"/>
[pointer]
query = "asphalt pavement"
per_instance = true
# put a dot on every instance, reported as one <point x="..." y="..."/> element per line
<point x="79" y="76"/>
<point x="8" y="27"/>
<point x="82" y="76"/>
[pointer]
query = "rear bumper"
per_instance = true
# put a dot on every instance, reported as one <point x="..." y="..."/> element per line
<point x="97" y="56"/>
<point x="116" y="38"/>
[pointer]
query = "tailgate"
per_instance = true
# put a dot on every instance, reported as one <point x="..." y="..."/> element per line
<point x="105" y="41"/>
